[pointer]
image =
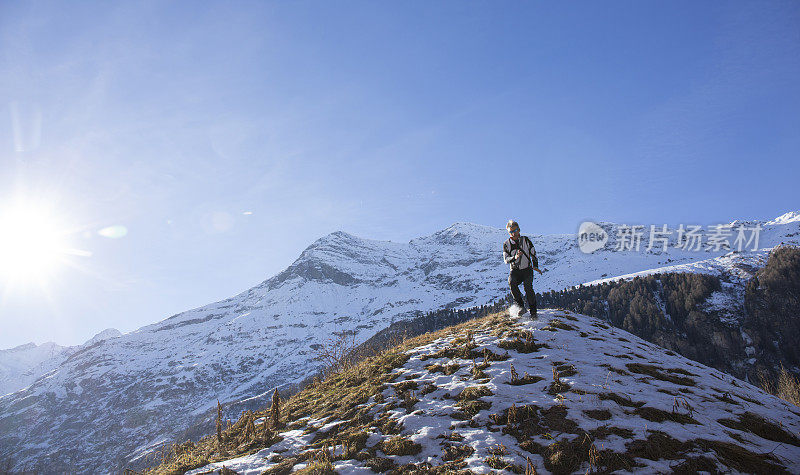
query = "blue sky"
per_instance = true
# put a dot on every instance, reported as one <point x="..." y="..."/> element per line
<point x="388" y="120"/>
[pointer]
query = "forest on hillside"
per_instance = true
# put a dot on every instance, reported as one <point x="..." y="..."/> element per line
<point x="673" y="311"/>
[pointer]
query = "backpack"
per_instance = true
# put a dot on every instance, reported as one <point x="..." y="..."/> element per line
<point x="532" y="259"/>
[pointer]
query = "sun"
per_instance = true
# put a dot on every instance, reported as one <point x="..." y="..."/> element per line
<point x="32" y="243"/>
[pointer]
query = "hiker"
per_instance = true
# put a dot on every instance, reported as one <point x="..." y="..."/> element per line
<point x="520" y="255"/>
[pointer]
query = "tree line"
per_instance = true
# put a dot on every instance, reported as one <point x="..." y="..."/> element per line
<point x="752" y="339"/>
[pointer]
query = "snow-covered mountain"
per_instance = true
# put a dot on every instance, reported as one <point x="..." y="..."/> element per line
<point x="113" y="395"/>
<point x="22" y="365"/>
<point x="562" y="394"/>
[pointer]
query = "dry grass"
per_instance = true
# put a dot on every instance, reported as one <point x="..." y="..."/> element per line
<point x="786" y="386"/>
<point x="456" y="452"/>
<point x="664" y="374"/>
<point x="404" y="386"/>
<point x="556" y="324"/>
<point x="622" y="401"/>
<point x="661" y="446"/>
<point x="321" y="464"/>
<point x="469" y="400"/>
<point x="452" y="437"/>
<point x="527" y="379"/>
<point x="568" y="455"/>
<point x="380" y="464"/>
<point x="557" y="386"/>
<point x="619" y="356"/>
<point x="726" y="398"/>
<point x="400" y="446"/>
<point x="465" y="351"/>
<point x="336" y="397"/>
<point x="427" y="389"/>
<point x="599" y="414"/>
<point x="524" y="422"/>
<point x="658" y="446"/>
<point x="498" y="463"/>
<point x="694" y="465"/>
<point x="566" y="370"/>
<point x="741" y="459"/>
<point x="473" y="392"/>
<point x="440" y="368"/>
<point x="471" y="408"/>
<point x="317" y="468"/>
<point x="766" y="429"/>
<point x="657" y="415"/>
<point x="477" y="371"/>
<point x="603" y="432"/>
<point x="620" y="372"/>
<point x="521" y="342"/>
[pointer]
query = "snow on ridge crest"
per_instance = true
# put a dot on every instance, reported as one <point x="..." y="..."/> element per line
<point x="334" y="238"/>
<point x="786" y="218"/>
<point x="468" y="226"/>
<point x="461" y="233"/>
<point x="22" y="347"/>
<point x="106" y="334"/>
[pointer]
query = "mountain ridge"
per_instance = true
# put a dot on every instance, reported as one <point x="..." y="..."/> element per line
<point x="563" y="394"/>
<point x="21" y="365"/>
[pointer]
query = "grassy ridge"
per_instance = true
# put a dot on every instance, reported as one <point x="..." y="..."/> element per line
<point x="337" y="397"/>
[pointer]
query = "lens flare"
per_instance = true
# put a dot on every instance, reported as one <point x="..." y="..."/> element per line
<point x="114" y="232"/>
<point x="31" y="243"/>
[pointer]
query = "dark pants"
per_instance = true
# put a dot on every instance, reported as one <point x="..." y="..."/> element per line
<point x="524" y="277"/>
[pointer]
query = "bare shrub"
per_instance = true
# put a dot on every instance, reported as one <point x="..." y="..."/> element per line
<point x="786" y="386"/>
<point x="337" y="353"/>
<point x="275" y="410"/>
<point x="220" y="442"/>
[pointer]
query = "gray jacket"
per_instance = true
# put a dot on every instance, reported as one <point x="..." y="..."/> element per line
<point x="528" y="257"/>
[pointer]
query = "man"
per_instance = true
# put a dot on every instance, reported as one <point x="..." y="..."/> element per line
<point x="520" y="255"/>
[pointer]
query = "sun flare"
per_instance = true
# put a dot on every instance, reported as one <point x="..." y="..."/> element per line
<point x="31" y="243"/>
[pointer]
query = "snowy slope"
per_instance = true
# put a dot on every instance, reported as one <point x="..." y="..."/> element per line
<point x="244" y="346"/>
<point x="622" y="404"/>
<point x="22" y="365"/>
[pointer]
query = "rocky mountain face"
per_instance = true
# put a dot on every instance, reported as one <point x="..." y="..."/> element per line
<point x="104" y="406"/>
